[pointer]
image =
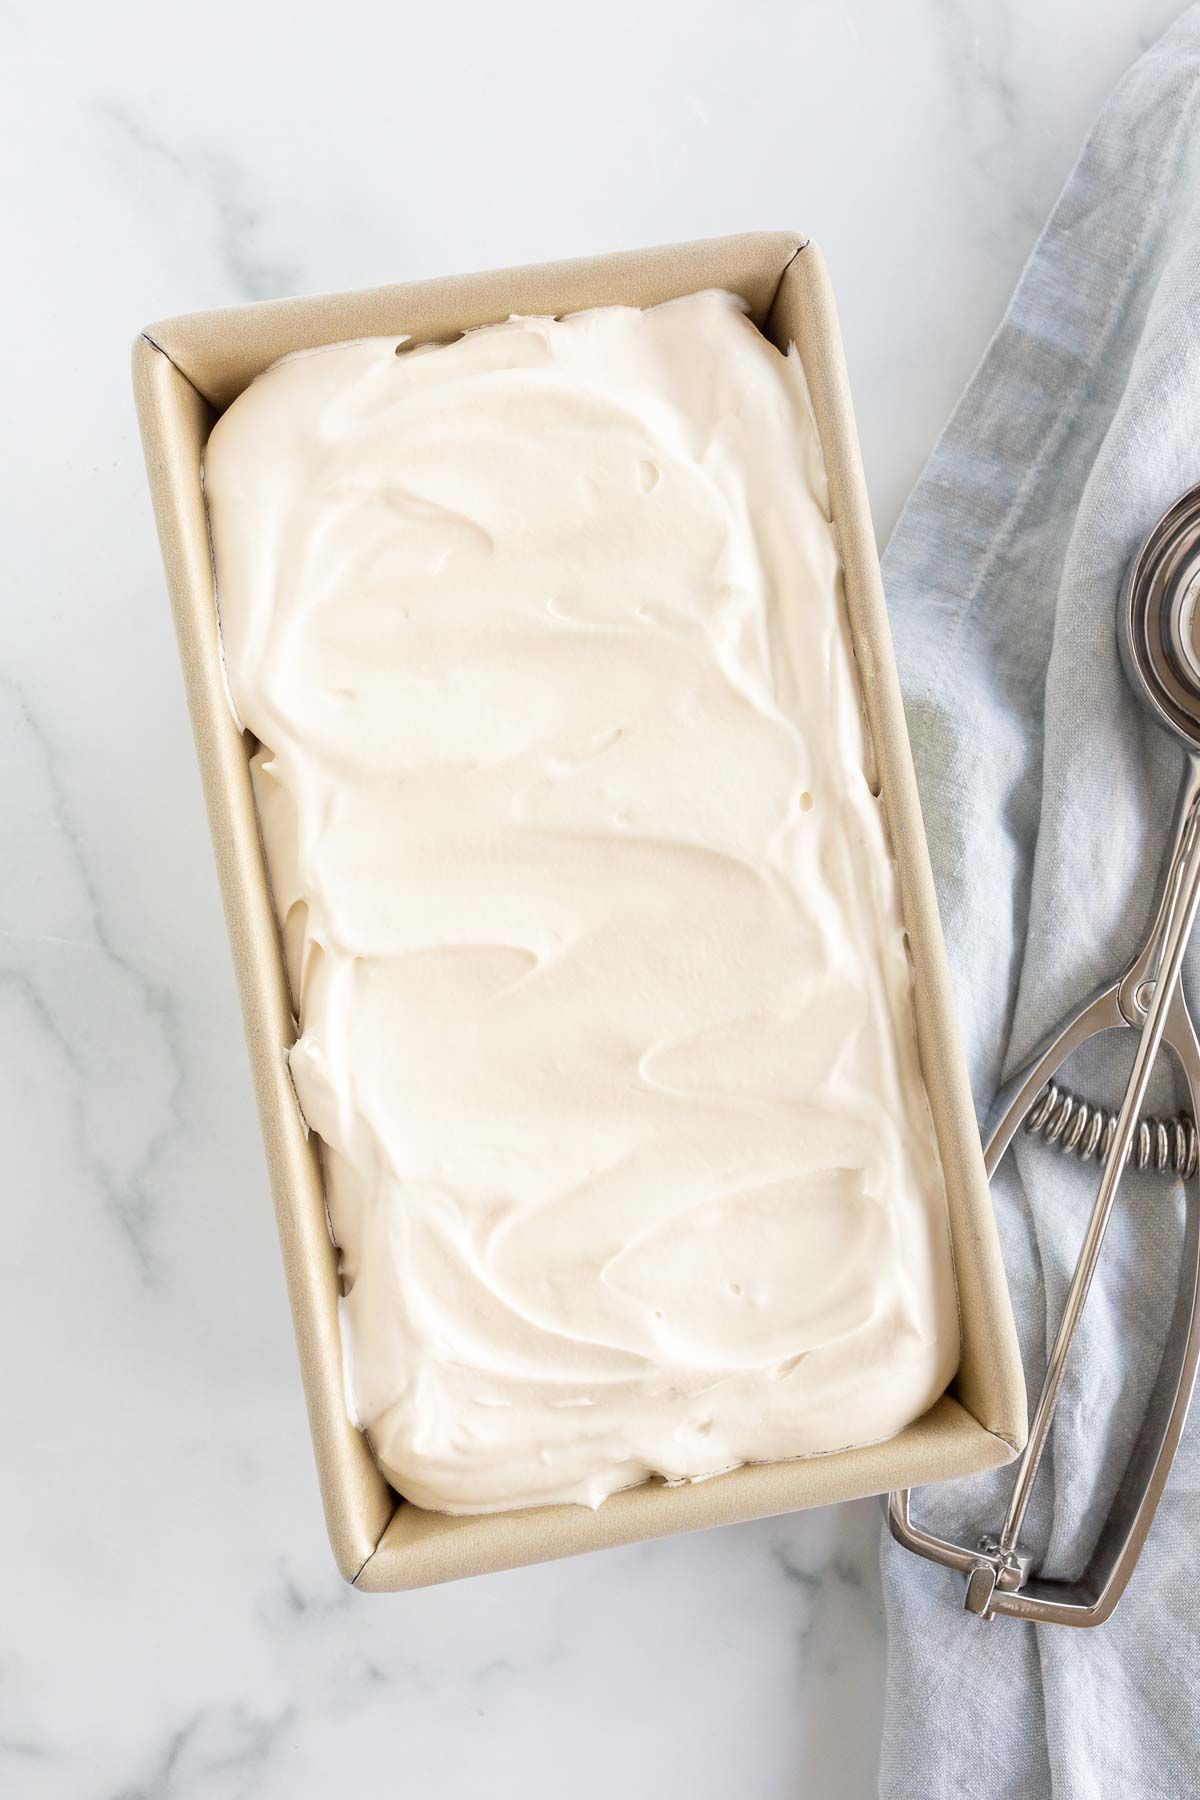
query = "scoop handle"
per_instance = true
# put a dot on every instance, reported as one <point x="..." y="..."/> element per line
<point x="1149" y="999"/>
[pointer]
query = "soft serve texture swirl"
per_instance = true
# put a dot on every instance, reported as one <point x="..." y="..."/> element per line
<point x="591" y="925"/>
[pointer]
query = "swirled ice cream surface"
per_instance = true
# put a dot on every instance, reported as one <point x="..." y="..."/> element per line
<point x="589" y="915"/>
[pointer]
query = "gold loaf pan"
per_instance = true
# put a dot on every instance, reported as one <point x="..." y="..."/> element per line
<point x="186" y="371"/>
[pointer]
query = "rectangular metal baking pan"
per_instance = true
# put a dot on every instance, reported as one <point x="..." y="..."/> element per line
<point x="186" y="371"/>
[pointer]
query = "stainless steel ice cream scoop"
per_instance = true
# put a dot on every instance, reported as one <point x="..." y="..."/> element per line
<point x="1159" y="633"/>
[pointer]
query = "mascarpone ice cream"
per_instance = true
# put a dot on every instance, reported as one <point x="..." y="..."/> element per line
<point x="605" y="1013"/>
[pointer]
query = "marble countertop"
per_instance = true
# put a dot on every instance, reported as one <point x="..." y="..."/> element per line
<point x="172" y="1624"/>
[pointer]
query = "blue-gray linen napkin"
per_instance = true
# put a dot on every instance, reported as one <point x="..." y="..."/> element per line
<point x="1048" y="795"/>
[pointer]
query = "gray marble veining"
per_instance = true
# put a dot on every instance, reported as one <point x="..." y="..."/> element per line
<point x="171" y="1624"/>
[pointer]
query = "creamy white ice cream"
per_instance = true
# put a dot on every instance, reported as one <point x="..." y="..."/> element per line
<point x="590" y="920"/>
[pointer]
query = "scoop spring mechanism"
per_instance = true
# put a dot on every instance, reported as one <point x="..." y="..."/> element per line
<point x="1084" y="1130"/>
<point x="1158" y="631"/>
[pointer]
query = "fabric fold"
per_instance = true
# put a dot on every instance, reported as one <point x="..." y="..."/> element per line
<point x="1048" y="795"/>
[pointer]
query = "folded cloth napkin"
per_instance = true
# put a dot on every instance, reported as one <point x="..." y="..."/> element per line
<point x="1048" y="795"/>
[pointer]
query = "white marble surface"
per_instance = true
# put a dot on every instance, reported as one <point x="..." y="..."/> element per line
<point x="171" y="1625"/>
